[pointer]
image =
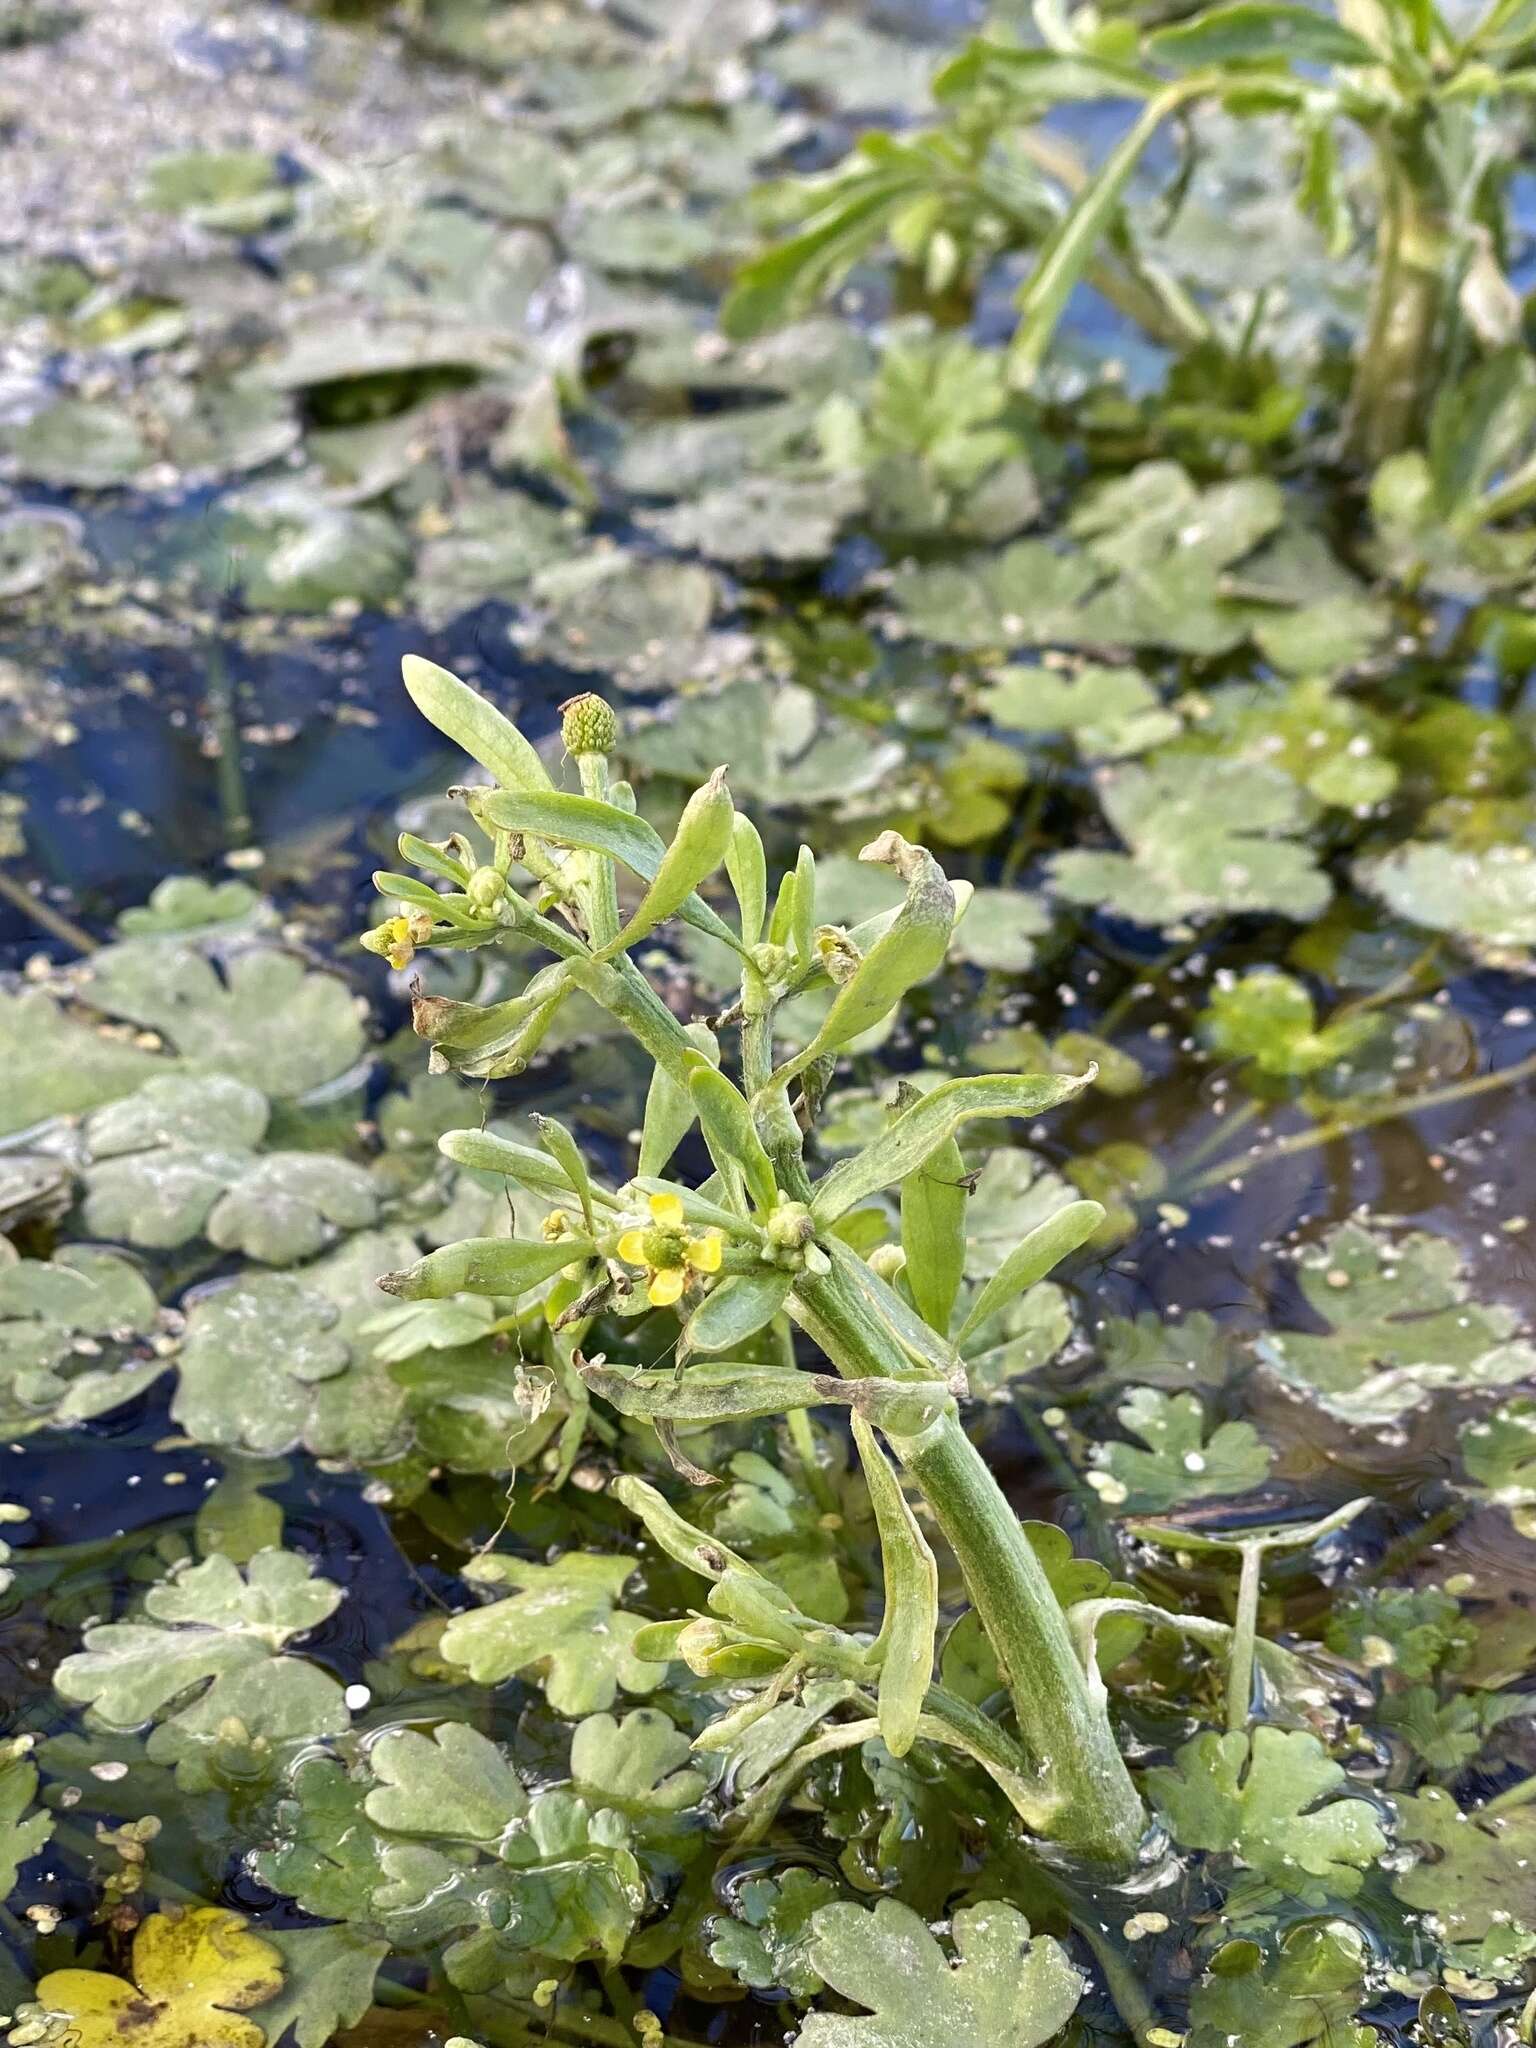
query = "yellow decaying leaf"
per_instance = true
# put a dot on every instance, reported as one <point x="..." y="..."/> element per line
<point x="194" y="1974"/>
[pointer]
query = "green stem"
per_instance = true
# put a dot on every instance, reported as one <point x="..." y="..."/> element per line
<point x="1086" y="1789"/>
<point x="1407" y="982"/>
<point x="1363" y="1119"/>
<point x="1085" y="1798"/>
<point x="1245" y="1636"/>
<point x="1069" y="1478"/>
<point x="1123" y="1980"/>
<point x="776" y="1127"/>
<point x="1399" y="1555"/>
<point x="1387" y="399"/>
<point x="803" y="1441"/>
<point x="1143" y="292"/>
<point x="234" y="809"/>
<point x="601" y="889"/>
<point x="1146" y="980"/>
<point x="754" y="1817"/>
<point x="624" y="992"/>
<point x="1229" y="1127"/>
<point x="44" y="914"/>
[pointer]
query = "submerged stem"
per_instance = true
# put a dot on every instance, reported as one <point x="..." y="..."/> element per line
<point x="1363" y="1119"/>
<point x="44" y="914"/>
<point x="1245" y="1635"/>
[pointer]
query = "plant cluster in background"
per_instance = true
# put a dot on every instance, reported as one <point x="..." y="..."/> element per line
<point x="948" y="1451"/>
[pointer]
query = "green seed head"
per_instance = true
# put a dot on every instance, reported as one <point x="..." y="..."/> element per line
<point x="588" y="726"/>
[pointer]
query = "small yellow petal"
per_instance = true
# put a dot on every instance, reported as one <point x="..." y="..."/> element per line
<point x="667" y="1210"/>
<point x="666" y="1286"/>
<point x="704" y="1253"/>
<point x="632" y="1247"/>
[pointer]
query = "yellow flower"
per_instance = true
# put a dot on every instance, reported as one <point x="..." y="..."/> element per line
<point x="669" y="1252"/>
<point x="393" y="940"/>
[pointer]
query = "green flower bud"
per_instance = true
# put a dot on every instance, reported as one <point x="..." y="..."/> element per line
<point x="485" y="889"/>
<point x="886" y="1261"/>
<point x="588" y="726"/>
<point x="790" y="1226"/>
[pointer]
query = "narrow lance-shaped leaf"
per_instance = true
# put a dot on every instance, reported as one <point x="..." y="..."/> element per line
<point x="781" y="923"/>
<point x="408" y="889"/>
<point x="486" y="1042"/>
<point x="587" y="822"/>
<point x="566" y="1153"/>
<point x="918" y="1131"/>
<point x="737" y="1308"/>
<point x="933" y="1233"/>
<point x="698" y="846"/>
<point x="1047" y="75"/>
<point x="1259" y="31"/>
<point x="421" y="853"/>
<point x="669" y="1106"/>
<point x="698" y="1206"/>
<point x="730" y="1132"/>
<point x="747" y="865"/>
<point x="684" y="1544"/>
<point x="485" y="1265"/>
<point x="802" y="920"/>
<point x="1070" y="247"/>
<point x="765" y="1612"/>
<point x="789" y="277"/>
<point x="911" y="1598"/>
<point x="1032" y="1258"/>
<point x="907" y="954"/>
<point x="486" y="1152"/>
<point x="473" y="723"/>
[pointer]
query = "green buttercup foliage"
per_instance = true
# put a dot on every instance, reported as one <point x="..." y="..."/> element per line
<point x="1181" y="1461"/>
<point x="209" y="1666"/>
<point x="767" y="1938"/>
<point x="562" y="1622"/>
<point x="1402" y="1323"/>
<point x="864" y="1379"/>
<point x="1302" y="1991"/>
<point x="1003" y="1984"/>
<point x="1266" y="1799"/>
<point x="1499" y="1453"/>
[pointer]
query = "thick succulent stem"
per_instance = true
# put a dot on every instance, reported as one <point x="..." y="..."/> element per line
<point x="1085" y="1794"/>
<point x="1396" y="356"/>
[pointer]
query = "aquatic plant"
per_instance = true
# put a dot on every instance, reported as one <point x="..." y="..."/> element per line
<point x="1425" y="94"/>
<point x="762" y="1248"/>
